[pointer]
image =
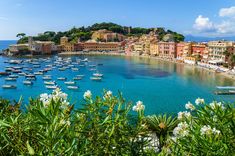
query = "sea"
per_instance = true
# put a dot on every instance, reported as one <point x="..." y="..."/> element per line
<point x="163" y="87"/>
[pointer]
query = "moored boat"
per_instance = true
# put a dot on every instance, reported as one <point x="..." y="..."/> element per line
<point x="96" y="78"/>
<point x="62" y="78"/>
<point x="72" y="87"/>
<point x="70" y="83"/>
<point x="9" y="86"/>
<point x="51" y="87"/>
<point x="27" y="82"/>
<point x="49" y="82"/>
<point x="10" y="79"/>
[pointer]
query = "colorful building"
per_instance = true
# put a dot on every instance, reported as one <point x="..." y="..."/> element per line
<point x="167" y="50"/>
<point x="218" y="50"/>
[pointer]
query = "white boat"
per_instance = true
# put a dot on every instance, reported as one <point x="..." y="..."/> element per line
<point x="49" y="82"/>
<point x="72" y="87"/>
<point x="51" y="87"/>
<point x="38" y="73"/>
<point x="98" y="75"/>
<point x="9" y="86"/>
<point x="75" y="69"/>
<point x="36" y="66"/>
<point x="31" y="78"/>
<point x="77" y="78"/>
<point x="62" y="69"/>
<point x="10" y="79"/>
<point x="27" y="82"/>
<point x="80" y="75"/>
<point x="70" y="83"/>
<point x="92" y="69"/>
<point x="84" y="60"/>
<point x="96" y="78"/>
<point x="62" y="78"/>
<point x="13" y="76"/>
<point x="46" y="78"/>
<point x="21" y="74"/>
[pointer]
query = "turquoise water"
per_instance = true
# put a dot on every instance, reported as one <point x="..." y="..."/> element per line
<point x="162" y="86"/>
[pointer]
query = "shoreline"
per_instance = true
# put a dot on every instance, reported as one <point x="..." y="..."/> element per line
<point x="149" y="57"/>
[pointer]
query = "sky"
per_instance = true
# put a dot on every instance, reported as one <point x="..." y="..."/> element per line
<point x="209" y="18"/>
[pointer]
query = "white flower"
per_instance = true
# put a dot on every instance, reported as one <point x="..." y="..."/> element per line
<point x="215" y="104"/>
<point x="215" y="131"/>
<point x="199" y="101"/>
<point x="207" y="130"/>
<point x="184" y="114"/>
<point x="139" y="106"/>
<point x="190" y="106"/>
<point x="181" y="130"/>
<point x="87" y="94"/>
<point x="108" y="94"/>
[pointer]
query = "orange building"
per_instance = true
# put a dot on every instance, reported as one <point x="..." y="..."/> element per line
<point x="198" y="49"/>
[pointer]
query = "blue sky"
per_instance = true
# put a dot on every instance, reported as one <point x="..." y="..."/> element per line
<point x="196" y="17"/>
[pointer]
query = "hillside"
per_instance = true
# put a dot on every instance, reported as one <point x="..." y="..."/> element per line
<point x="84" y="33"/>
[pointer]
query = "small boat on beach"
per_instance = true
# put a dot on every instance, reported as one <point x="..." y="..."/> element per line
<point x="9" y="86"/>
<point x="72" y="87"/>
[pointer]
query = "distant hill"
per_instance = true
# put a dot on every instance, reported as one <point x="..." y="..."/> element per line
<point x="84" y="33"/>
<point x="206" y="39"/>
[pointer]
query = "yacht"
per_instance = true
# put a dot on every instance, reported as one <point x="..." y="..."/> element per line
<point x="70" y="83"/>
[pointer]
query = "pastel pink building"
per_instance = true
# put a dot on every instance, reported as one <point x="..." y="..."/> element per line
<point x="167" y="49"/>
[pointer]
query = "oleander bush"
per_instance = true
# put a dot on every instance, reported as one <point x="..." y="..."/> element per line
<point x="107" y="126"/>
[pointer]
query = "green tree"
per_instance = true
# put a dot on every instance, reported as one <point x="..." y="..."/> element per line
<point x="20" y="35"/>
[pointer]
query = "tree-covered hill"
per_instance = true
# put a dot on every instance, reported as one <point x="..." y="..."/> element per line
<point x="84" y="33"/>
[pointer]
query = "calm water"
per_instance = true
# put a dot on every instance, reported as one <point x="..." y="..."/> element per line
<point x="163" y="86"/>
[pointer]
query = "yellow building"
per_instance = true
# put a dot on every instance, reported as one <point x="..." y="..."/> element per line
<point x="66" y="45"/>
<point x="154" y="48"/>
<point x="64" y="40"/>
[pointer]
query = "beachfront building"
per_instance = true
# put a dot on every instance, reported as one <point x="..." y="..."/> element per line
<point x="66" y="45"/>
<point x="41" y="47"/>
<point x="18" y="49"/>
<point x="199" y="49"/>
<point x="183" y="49"/>
<point x="154" y="48"/>
<point x="92" y="45"/>
<point x="107" y="36"/>
<point x="138" y="48"/>
<point x="167" y="50"/>
<point x="218" y="50"/>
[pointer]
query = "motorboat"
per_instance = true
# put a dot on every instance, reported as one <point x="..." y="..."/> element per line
<point x="70" y="82"/>
<point x="27" y="82"/>
<point x="77" y="78"/>
<point x="10" y="79"/>
<point x="74" y="69"/>
<point x="46" y="78"/>
<point x="73" y="87"/>
<point x="13" y="76"/>
<point x="96" y="78"/>
<point x="62" y="78"/>
<point x="9" y="86"/>
<point x="49" y="82"/>
<point x="51" y="87"/>
<point x="98" y="75"/>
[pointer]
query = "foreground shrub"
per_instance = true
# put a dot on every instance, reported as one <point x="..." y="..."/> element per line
<point x="208" y="129"/>
<point x="50" y="126"/>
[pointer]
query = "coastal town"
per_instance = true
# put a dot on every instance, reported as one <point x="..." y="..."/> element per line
<point x="215" y="55"/>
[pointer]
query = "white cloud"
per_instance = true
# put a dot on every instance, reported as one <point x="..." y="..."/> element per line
<point x="227" y="12"/>
<point x="203" y="24"/>
<point x="224" y="27"/>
